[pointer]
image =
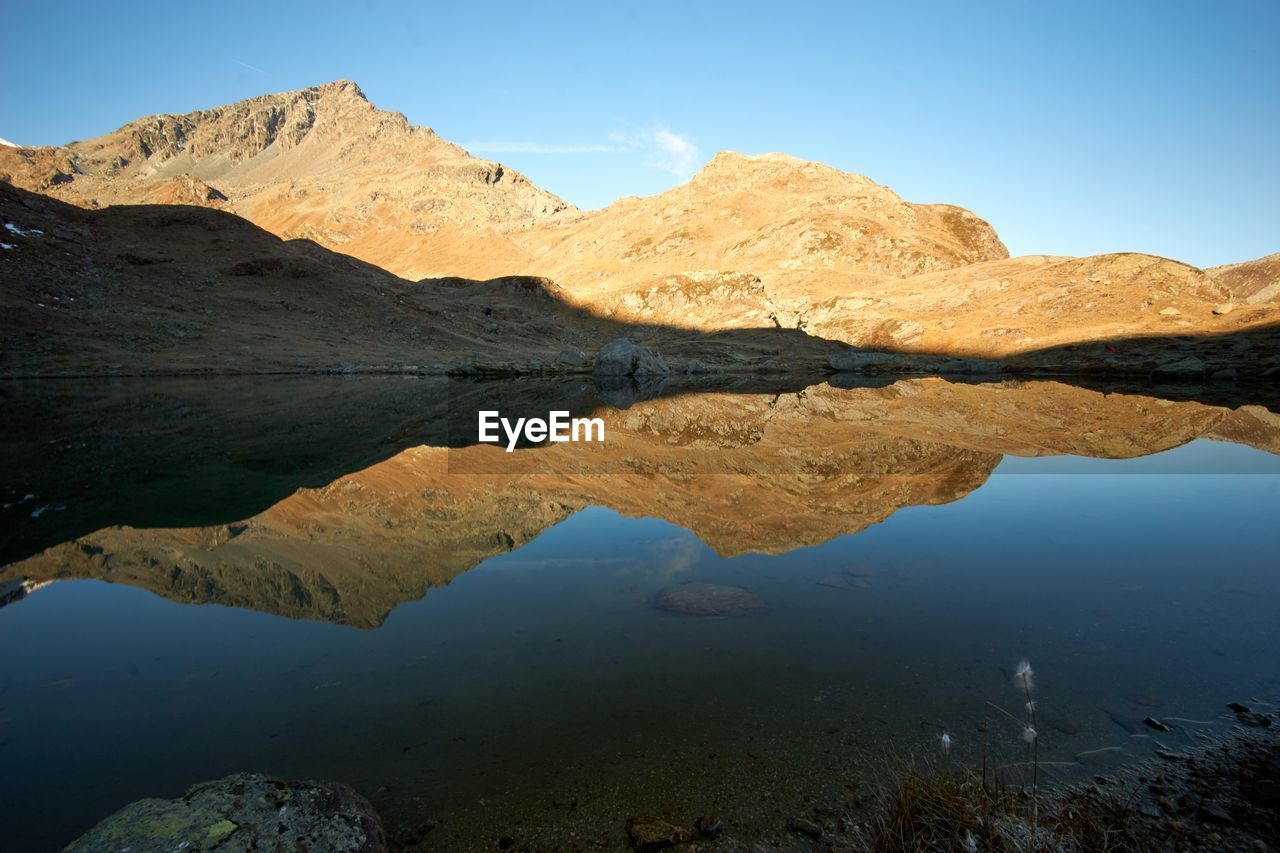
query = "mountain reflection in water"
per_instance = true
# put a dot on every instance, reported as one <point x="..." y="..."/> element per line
<point x="546" y="676"/>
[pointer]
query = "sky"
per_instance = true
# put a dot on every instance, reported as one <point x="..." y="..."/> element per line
<point x="1074" y="128"/>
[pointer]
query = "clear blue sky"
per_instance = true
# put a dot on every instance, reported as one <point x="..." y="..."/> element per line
<point x="1074" y="127"/>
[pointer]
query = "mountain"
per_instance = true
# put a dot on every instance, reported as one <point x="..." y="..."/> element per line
<point x="1252" y="282"/>
<point x="749" y="243"/>
<point x="173" y="288"/>
<point x="320" y="163"/>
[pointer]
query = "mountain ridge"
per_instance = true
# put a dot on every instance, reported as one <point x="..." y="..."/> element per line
<point x="749" y="242"/>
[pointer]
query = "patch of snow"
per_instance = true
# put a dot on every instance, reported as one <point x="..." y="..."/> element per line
<point x="36" y="513"/>
<point x="7" y="246"/>
<point x="14" y="229"/>
<point x="9" y="144"/>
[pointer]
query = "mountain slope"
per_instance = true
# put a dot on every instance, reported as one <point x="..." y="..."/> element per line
<point x="320" y="163"/>
<point x="750" y="242"/>
<point x="764" y="214"/>
<point x="1251" y="282"/>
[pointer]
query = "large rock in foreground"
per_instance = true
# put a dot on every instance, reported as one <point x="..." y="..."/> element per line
<point x="246" y="811"/>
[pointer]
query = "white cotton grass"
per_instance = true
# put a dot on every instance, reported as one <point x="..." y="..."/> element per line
<point x="1023" y="676"/>
<point x="945" y="740"/>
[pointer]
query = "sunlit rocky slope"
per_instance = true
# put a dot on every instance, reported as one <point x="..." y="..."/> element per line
<point x="321" y="164"/>
<point x="748" y="242"/>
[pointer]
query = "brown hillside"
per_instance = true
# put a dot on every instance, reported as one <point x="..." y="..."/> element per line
<point x="749" y="242"/>
<point x="320" y="163"/>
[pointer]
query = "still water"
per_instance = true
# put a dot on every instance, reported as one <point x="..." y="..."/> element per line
<point x="470" y="638"/>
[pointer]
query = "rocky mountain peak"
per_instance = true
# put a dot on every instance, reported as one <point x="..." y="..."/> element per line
<point x="775" y="167"/>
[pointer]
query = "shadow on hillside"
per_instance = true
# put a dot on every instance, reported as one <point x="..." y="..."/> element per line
<point x="80" y="455"/>
<point x="376" y="322"/>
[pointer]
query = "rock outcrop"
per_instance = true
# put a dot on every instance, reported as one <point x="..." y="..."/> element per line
<point x="243" y="812"/>
<point x="623" y="358"/>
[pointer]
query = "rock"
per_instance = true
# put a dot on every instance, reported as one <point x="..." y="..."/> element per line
<point x="846" y="580"/>
<point x="1262" y="785"/>
<point x="709" y="826"/>
<point x="572" y="356"/>
<point x="245" y="811"/>
<point x="1187" y="367"/>
<point x="1225" y="375"/>
<point x="1152" y="723"/>
<point x="622" y="358"/>
<point x="616" y="358"/>
<point x="650" y="364"/>
<point x="1211" y="812"/>
<point x="1224" y="308"/>
<point x="1169" y="312"/>
<point x="858" y="360"/>
<point x="651" y="833"/>
<point x="980" y="366"/>
<point x="1238" y="708"/>
<point x="804" y="826"/>
<point x="707" y="599"/>
<point x="695" y="366"/>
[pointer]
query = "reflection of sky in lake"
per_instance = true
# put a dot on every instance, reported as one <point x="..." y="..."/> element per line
<point x="1139" y="589"/>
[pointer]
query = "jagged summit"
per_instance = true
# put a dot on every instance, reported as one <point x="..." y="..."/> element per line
<point x="322" y="163"/>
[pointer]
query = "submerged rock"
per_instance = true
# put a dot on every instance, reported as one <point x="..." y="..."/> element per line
<point x="651" y="833"/>
<point x="245" y="811"/>
<point x="707" y="599"/>
<point x="845" y="580"/>
<point x="804" y="826"/>
<point x="709" y="826"/>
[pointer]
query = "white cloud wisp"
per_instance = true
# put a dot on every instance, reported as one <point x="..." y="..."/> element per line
<point x="661" y="148"/>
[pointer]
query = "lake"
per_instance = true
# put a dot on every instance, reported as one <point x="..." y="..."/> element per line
<point x="751" y="600"/>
